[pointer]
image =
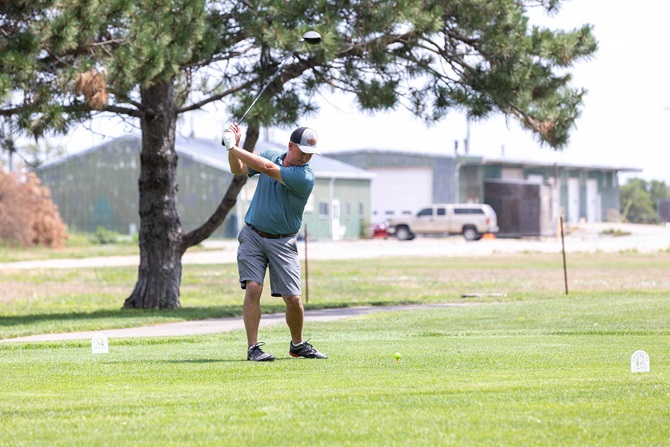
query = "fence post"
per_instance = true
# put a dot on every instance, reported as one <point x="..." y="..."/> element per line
<point x="565" y="269"/>
<point x="306" y="269"/>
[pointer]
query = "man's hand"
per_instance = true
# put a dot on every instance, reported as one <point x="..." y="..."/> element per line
<point x="228" y="139"/>
<point x="231" y="136"/>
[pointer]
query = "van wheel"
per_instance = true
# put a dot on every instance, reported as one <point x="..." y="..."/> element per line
<point x="403" y="234"/>
<point x="470" y="234"/>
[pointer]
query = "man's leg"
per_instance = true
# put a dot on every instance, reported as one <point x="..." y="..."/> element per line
<point x="251" y="311"/>
<point x="295" y="315"/>
<point x="285" y="281"/>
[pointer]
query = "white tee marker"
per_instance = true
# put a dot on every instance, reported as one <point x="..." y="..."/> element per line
<point x="639" y="362"/>
<point x="99" y="344"/>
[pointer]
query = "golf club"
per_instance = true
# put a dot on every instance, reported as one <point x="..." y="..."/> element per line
<point x="311" y="38"/>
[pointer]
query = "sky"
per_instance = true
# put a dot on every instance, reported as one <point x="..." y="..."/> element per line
<point x="625" y="119"/>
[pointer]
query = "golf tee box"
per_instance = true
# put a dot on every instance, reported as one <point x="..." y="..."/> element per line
<point x="99" y="344"/>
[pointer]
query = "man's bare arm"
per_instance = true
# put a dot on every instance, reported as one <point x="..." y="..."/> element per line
<point x="241" y="161"/>
<point x="237" y="167"/>
<point x="248" y="160"/>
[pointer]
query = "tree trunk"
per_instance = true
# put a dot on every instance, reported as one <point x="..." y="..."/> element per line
<point x="162" y="243"/>
<point x="161" y="250"/>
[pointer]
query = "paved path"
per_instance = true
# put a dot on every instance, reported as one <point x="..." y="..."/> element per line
<point x="218" y="325"/>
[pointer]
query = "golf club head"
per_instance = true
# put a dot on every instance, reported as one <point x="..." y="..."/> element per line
<point x="311" y="38"/>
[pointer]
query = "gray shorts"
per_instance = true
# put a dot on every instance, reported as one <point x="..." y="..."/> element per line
<point x="256" y="253"/>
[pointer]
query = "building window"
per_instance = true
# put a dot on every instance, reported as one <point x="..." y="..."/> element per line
<point x="468" y="211"/>
<point x="361" y="210"/>
<point x="347" y="210"/>
<point x="323" y="209"/>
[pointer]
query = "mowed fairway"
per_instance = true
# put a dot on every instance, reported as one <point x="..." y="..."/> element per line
<point x="535" y="367"/>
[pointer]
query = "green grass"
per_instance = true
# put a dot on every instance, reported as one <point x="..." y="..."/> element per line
<point x="61" y="300"/>
<point x="523" y="373"/>
<point x="535" y="367"/>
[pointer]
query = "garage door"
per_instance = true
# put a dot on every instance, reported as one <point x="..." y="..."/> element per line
<point x="573" y="200"/>
<point x="397" y="191"/>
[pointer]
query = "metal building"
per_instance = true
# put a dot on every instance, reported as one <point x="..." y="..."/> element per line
<point x="578" y="193"/>
<point x="98" y="187"/>
<point x="528" y="197"/>
<point x="404" y="182"/>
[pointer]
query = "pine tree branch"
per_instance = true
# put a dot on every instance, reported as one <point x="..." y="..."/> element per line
<point x="135" y="113"/>
<point x="216" y="97"/>
<point x="11" y="112"/>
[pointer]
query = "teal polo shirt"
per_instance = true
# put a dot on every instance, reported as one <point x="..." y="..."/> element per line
<point x="277" y="208"/>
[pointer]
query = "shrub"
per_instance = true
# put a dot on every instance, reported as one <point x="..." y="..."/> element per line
<point x="104" y="236"/>
<point x="28" y="215"/>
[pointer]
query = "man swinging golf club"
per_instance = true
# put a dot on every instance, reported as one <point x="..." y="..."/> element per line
<point x="269" y="238"/>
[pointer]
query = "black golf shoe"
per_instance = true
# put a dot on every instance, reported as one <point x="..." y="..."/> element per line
<point x="256" y="354"/>
<point x="306" y="350"/>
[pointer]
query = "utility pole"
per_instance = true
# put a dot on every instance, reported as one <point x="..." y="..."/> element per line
<point x="467" y="136"/>
<point x="457" y="175"/>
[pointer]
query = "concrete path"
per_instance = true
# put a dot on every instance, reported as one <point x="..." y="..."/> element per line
<point x="581" y="238"/>
<point x="219" y="325"/>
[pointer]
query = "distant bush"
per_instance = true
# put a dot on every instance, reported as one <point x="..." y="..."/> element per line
<point x="28" y="215"/>
<point x="104" y="236"/>
<point x="615" y="233"/>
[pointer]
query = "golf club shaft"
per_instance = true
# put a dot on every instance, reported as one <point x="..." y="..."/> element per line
<point x="272" y="78"/>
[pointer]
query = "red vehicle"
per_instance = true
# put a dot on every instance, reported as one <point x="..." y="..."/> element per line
<point x="379" y="231"/>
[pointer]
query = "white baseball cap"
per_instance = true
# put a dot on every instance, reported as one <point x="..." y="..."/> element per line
<point x="306" y="139"/>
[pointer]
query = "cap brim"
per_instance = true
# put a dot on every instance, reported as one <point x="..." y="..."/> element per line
<point x="308" y="149"/>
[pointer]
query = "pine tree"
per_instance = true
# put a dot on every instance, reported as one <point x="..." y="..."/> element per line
<point x="66" y="61"/>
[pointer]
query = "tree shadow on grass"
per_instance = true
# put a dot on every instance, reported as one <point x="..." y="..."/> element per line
<point x="157" y="316"/>
<point x="182" y="361"/>
<point x="242" y="359"/>
<point x="38" y="323"/>
<point x="172" y="315"/>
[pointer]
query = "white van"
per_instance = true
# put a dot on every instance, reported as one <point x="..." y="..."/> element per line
<point x="472" y="220"/>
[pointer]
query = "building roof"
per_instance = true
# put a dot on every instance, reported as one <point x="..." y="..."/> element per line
<point x="64" y="158"/>
<point x="531" y="164"/>
<point x="479" y="160"/>
<point x="322" y="165"/>
<point x="211" y="153"/>
<point x="408" y="153"/>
